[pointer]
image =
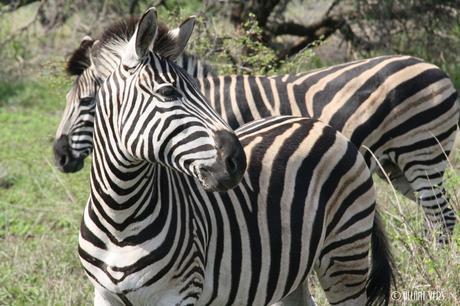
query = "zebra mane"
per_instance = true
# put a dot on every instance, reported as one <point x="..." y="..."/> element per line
<point x="117" y="35"/>
<point x="80" y="58"/>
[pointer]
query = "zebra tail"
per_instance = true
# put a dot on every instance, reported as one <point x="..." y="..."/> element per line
<point x="381" y="276"/>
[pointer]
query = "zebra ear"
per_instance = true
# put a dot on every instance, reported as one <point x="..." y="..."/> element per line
<point x="86" y="38"/>
<point x="139" y="44"/>
<point x="93" y="52"/>
<point x="181" y="36"/>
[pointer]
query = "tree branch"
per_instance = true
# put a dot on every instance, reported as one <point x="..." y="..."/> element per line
<point x="11" y="6"/>
<point x="316" y="29"/>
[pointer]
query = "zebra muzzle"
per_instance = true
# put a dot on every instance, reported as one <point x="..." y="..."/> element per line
<point x="228" y="169"/>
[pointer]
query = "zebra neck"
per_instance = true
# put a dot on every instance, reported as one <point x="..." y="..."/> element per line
<point x="122" y="196"/>
<point x="146" y="201"/>
<point x="156" y="213"/>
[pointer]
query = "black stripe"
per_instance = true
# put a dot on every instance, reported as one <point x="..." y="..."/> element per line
<point x="403" y="91"/>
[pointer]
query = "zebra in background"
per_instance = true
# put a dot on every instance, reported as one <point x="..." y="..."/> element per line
<point x="74" y="137"/>
<point x="401" y="108"/>
<point x="153" y="230"/>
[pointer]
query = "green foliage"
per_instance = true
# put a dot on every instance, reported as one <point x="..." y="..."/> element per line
<point x="183" y="8"/>
<point x="248" y="53"/>
<point x="303" y="61"/>
<point x="451" y="184"/>
<point x="244" y="52"/>
<point x="34" y="94"/>
<point x="12" y="48"/>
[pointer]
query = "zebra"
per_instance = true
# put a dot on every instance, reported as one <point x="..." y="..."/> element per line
<point x="400" y="108"/>
<point x="74" y="136"/>
<point x="162" y="227"/>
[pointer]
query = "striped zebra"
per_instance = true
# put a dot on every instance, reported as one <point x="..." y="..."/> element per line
<point x="401" y="108"/>
<point x="155" y="233"/>
<point x="74" y="137"/>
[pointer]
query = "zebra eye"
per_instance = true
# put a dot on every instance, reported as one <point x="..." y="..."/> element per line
<point x="169" y="92"/>
<point x="86" y="101"/>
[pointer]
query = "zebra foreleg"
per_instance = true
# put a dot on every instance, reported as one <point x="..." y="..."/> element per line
<point x="299" y="297"/>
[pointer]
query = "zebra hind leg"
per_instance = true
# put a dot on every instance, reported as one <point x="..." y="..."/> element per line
<point x="424" y="169"/>
<point x="440" y="217"/>
<point x="299" y="297"/>
<point x="397" y="179"/>
<point x="431" y="196"/>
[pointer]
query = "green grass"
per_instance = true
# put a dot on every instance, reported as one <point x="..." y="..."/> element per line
<point x="40" y="212"/>
<point x="40" y="208"/>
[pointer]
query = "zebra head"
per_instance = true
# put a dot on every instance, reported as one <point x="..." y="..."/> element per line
<point x="74" y="137"/>
<point x="158" y="115"/>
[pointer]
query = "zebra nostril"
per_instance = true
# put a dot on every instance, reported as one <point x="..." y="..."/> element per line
<point x="63" y="160"/>
<point x="232" y="167"/>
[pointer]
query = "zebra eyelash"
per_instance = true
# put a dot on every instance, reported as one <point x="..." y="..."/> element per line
<point x="88" y="101"/>
<point x="167" y="93"/>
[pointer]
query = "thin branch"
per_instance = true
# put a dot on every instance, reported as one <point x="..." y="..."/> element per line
<point x="321" y="30"/>
<point x="290" y="28"/>
<point x="332" y="6"/>
<point x="356" y="41"/>
<point x="11" y="6"/>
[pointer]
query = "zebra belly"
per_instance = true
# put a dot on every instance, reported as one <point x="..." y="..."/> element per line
<point x="233" y="291"/>
<point x="149" y="296"/>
